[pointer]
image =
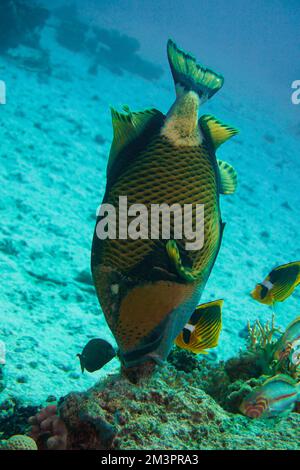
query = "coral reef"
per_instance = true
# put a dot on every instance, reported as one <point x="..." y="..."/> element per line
<point x="48" y="429"/>
<point x="2" y="364"/>
<point x="20" y="23"/>
<point x="262" y="340"/>
<point x="231" y="381"/>
<point x="18" y="442"/>
<point x="167" y="411"/>
<point x="119" y="52"/>
<point x="107" y="48"/>
<point x="14" y="417"/>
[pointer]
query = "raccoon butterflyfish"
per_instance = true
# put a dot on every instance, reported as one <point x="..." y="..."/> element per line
<point x="278" y="285"/>
<point x="149" y="285"/>
<point x="203" y="328"/>
<point x="276" y="396"/>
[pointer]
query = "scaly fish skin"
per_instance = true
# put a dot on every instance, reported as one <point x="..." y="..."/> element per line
<point x="146" y="293"/>
<point x="277" y="396"/>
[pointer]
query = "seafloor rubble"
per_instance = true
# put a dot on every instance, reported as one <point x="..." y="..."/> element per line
<point x="169" y="410"/>
<point x="186" y="404"/>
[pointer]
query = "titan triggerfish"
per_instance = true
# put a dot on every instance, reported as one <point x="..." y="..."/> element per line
<point x="149" y="287"/>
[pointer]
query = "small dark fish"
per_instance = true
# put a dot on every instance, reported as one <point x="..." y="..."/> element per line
<point x="96" y="354"/>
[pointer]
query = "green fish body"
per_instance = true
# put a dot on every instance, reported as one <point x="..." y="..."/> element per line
<point x="149" y="288"/>
<point x="288" y="340"/>
<point x="277" y="396"/>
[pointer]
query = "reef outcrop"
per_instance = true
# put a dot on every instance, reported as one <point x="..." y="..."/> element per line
<point x="169" y="411"/>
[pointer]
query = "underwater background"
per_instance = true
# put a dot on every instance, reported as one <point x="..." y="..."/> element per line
<point x="63" y="67"/>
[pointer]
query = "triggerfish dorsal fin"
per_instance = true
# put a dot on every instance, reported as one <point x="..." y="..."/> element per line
<point x="228" y="178"/>
<point x="129" y="126"/>
<point x="203" y="329"/>
<point x="190" y="76"/>
<point x="216" y="131"/>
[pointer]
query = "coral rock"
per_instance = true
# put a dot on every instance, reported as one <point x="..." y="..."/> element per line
<point x="18" y="443"/>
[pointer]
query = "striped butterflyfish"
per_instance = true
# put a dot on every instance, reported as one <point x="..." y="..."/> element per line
<point x="279" y="284"/>
<point x="203" y="329"/>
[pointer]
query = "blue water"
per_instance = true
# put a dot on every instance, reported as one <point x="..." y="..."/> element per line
<point x="55" y="135"/>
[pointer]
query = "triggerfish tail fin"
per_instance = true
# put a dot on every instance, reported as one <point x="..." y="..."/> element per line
<point x="203" y="329"/>
<point x="216" y="131"/>
<point x="190" y="76"/>
<point x="228" y="178"/>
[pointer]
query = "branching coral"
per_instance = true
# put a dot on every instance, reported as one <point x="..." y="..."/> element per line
<point x="262" y="340"/>
<point x="262" y="336"/>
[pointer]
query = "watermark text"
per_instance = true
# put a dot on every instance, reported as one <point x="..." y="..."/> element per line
<point x="155" y="222"/>
<point x="2" y="92"/>
<point x="295" y="97"/>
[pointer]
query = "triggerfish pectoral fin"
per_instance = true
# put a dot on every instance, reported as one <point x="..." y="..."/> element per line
<point x="203" y="329"/>
<point x="185" y="273"/>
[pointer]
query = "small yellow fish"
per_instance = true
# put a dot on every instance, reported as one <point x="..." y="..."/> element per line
<point x="203" y="329"/>
<point x="278" y="285"/>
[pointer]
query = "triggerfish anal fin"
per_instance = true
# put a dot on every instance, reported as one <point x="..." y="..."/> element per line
<point x="185" y="273"/>
<point x="228" y="178"/>
<point x="190" y="76"/>
<point x="203" y="329"/>
<point x="129" y="126"/>
<point x="216" y="131"/>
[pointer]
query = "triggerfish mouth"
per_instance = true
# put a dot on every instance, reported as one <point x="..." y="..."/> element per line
<point x="149" y="286"/>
